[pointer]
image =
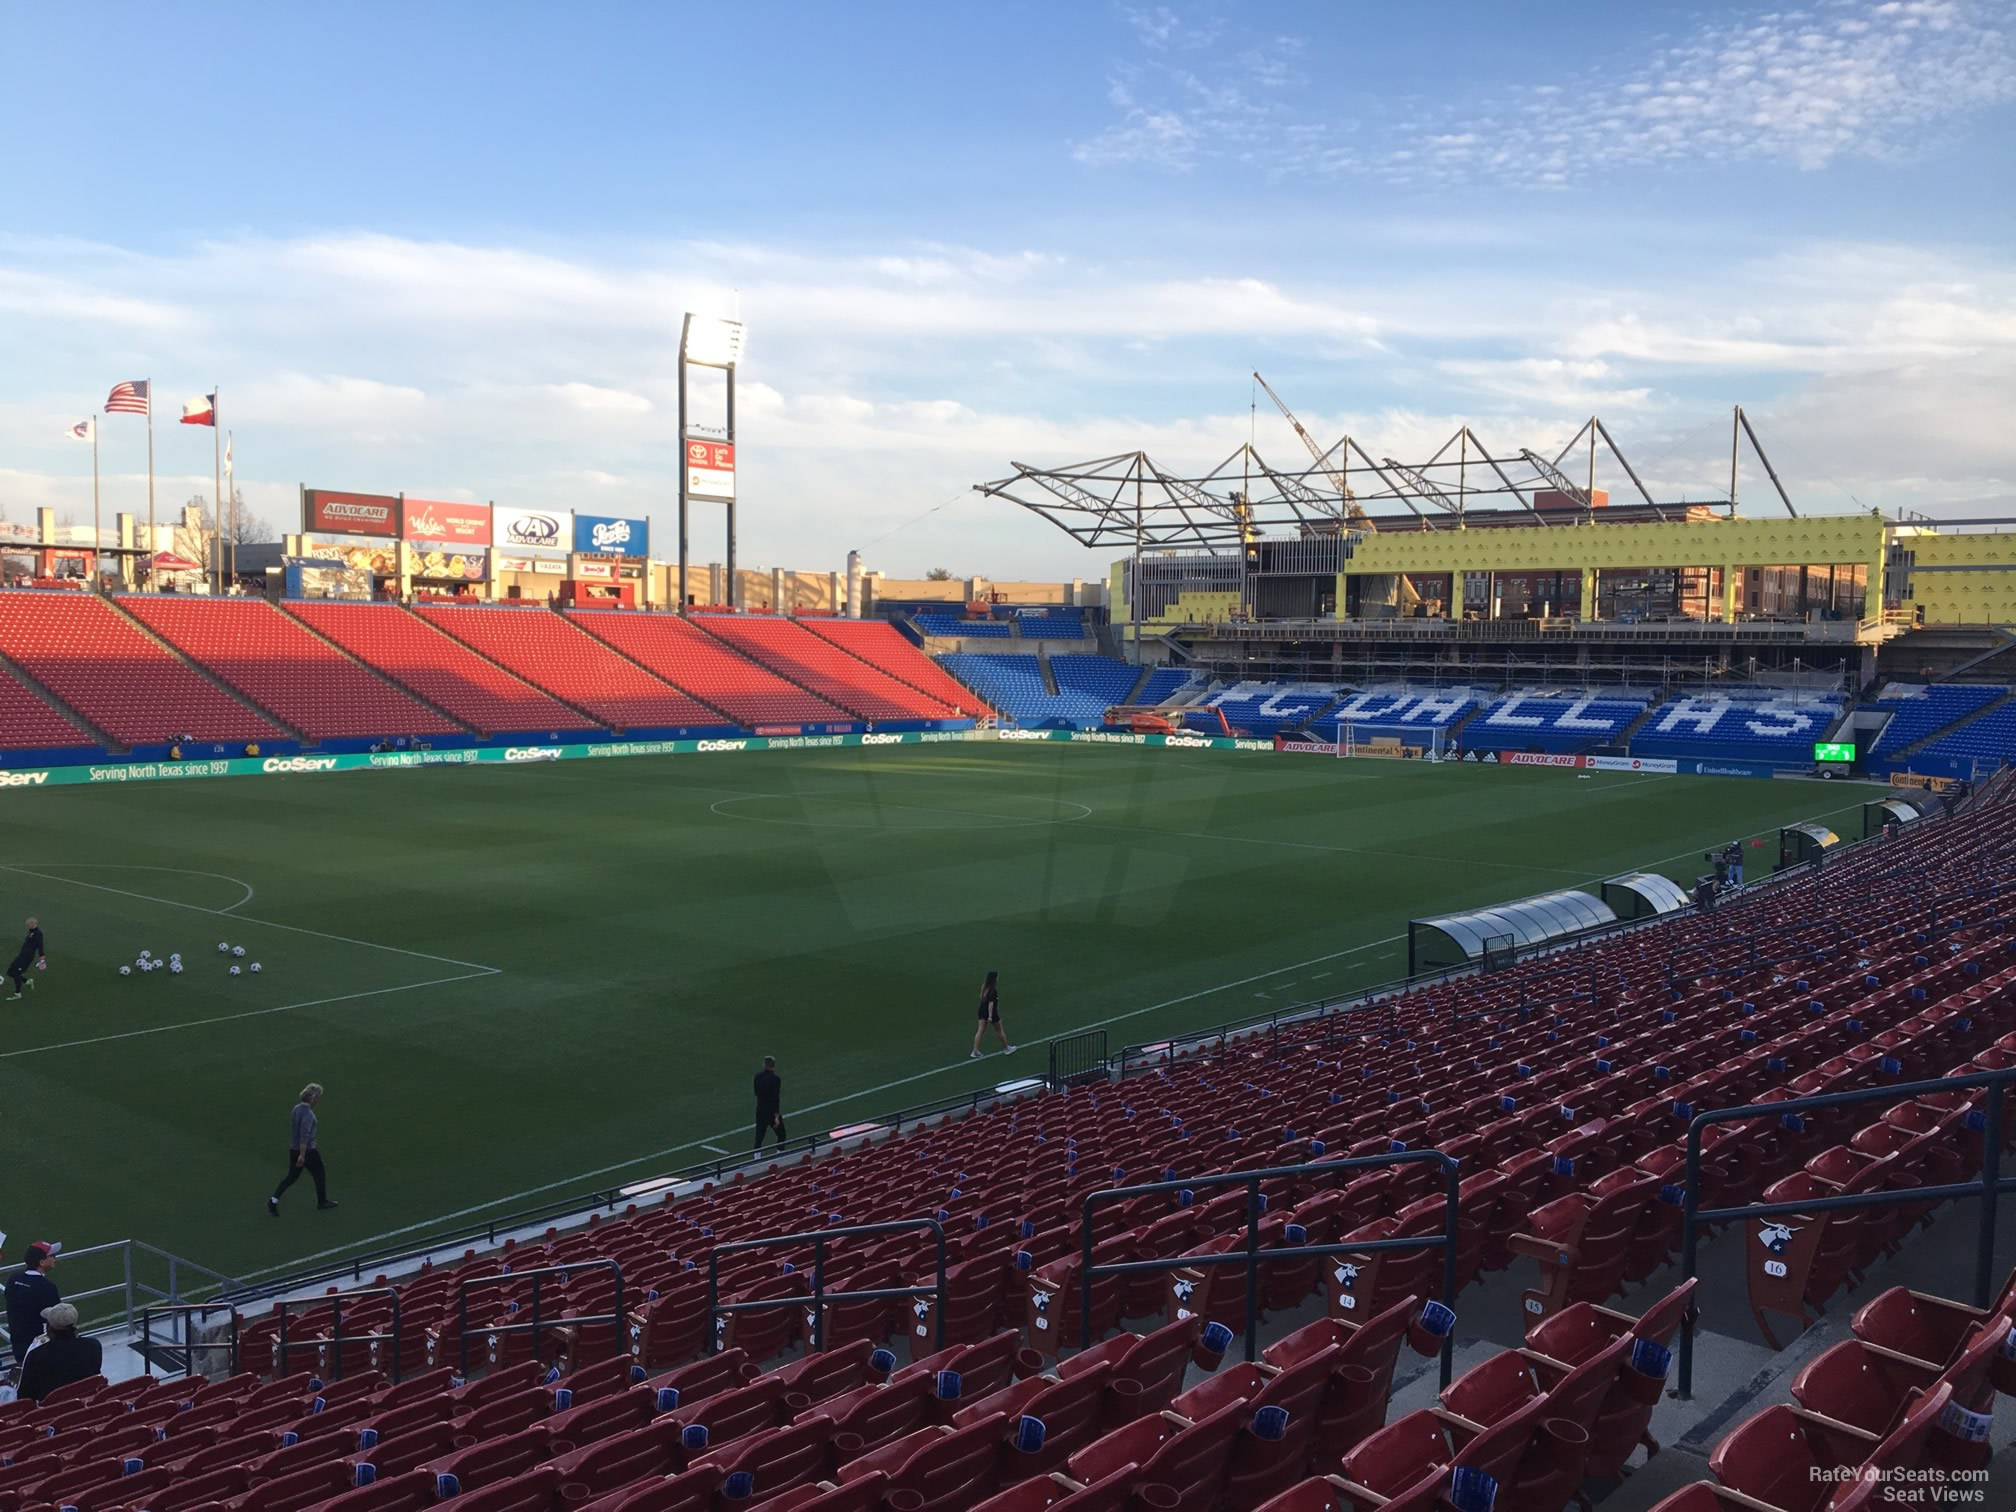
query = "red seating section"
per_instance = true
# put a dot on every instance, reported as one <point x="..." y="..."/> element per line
<point x="27" y="723"/>
<point x="792" y="649"/>
<point x="97" y="661"/>
<point x="881" y="644"/>
<point x="284" y="668"/>
<point x="409" y="650"/>
<point x="544" y="649"/>
<point x="688" y="658"/>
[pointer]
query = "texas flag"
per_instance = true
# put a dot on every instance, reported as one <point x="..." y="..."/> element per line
<point x="200" y="411"/>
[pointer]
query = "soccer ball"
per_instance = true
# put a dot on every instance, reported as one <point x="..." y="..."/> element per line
<point x="125" y="971"/>
<point x="144" y="964"/>
<point x="175" y="967"/>
<point x="255" y="965"/>
<point x="146" y="955"/>
<point x="222" y="948"/>
<point x="234" y="971"/>
<point x="237" y="950"/>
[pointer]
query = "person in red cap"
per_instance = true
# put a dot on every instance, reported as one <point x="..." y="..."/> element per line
<point x="29" y="1291"/>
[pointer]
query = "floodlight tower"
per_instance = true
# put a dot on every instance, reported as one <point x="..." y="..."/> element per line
<point x="707" y="466"/>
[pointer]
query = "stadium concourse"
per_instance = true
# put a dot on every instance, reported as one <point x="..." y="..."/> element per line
<point x="675" y="1354"/>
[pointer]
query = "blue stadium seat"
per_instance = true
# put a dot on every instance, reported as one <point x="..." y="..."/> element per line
<point x="1087" y="686"/>
<point x="1263" y="708"/>
<point x="1165" y="683"/>
<point x="1552" y="721"/>
<point x="1749" y="726"/>
<point x="1391" y="712"/>
<point x="957" y="624"/>
<point x="1916" y="712"/>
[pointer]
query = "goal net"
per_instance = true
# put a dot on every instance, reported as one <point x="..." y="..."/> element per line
<point x="1393" y="742"/>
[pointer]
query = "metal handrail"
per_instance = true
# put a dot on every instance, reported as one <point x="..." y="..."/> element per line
<point x="818" y="1239"/>
<point x="614" y="1317"/>
<point x="1252" y="1255"/>
<point x="336" y="1300"/>
<point x="1988" y="1188"/>
<point x="187" y="1312"/>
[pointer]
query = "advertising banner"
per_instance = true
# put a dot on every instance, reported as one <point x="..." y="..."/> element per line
<point x="608" y="535"/>
<point x="447" y="562"/>
<point x="508" y="563"/>
<point x="444" y="524"/>
<point x="333" y="513"/>
<point x="1306" y="747"/>
<point x="595" y="572"/>
<point x="382" y="560"/>
<point x="1666" y="767"/>
<point x="533" y="529"/>
<point x="1537" y="758"/>
<point x="710" y="470"/>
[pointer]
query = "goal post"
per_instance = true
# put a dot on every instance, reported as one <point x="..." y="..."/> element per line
<point x="1395" y="742"/>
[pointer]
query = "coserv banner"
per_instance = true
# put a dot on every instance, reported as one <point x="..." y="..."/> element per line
<point x="607" y="535"/>
<point x="533" y="529"/>
<point x="444" y="524"/>
<point x="330" y="513"/>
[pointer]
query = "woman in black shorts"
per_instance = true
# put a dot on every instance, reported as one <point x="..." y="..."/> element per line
<point x="990" y="1013"/>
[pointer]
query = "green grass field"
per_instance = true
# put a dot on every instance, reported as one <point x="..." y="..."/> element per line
<point x="518" y="982"/>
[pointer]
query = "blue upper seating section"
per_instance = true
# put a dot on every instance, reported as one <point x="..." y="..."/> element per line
<point x="1087" y="686"/>
<point x="958" y="624"/>
<point x="1164" y="683"/>
<point x="1263" y="708"/>
<point x="1747" y="726"/>
<point x="1552" y="721"/>
<point x="1917" y="712"/>
<point x="1090" y="685"/>
<point x="1992" y="737"/>
<point x="1058" y="624"/>
<point x="1402" y="711"/>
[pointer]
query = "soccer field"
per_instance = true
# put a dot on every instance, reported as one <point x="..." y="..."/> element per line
<point x="520" y="982"/>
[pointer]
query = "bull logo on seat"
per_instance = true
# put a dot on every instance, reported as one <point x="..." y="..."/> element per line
<point x="1775" y="1237"/>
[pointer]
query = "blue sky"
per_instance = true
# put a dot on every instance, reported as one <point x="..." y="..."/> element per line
<point x="445" y="248"/>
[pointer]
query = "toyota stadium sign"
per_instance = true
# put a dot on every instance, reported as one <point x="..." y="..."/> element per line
<point x="710" y="470"/>
<point x="325" y="512"/>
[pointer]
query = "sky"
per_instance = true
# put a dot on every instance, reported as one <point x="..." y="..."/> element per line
<point x="445" y="249"/>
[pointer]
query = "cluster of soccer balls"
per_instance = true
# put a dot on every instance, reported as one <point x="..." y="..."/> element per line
<point x="148" y="961"/>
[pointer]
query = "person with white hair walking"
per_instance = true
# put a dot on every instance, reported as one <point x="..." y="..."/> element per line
<point x="302" y="1155"/>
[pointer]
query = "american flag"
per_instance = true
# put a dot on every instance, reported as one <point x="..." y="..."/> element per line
<point x="127" y="399"/>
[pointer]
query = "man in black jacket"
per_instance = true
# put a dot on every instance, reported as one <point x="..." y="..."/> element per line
<point x="64" y="1355"/>
<point x="769" y="1102"/>
<point x="29" y="1291"/>
<point x="24" y="961"/>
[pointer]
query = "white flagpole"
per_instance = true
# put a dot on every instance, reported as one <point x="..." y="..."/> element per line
<point x="153" y="583"/>
<point x="231" y="472"/>
<point x="217" y="498"/>
<point x="97" y="564"/>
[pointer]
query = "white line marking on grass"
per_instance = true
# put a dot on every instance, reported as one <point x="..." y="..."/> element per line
<point x="183" y="871"/>
<point x="1008" y="821"/>
<point x="228" y="1018"/>
<point x="715" y="1148"/>
<point x="476" y="966"/>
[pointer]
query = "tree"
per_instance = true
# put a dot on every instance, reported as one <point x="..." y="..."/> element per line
<point x="938" y="575"/>
<point x="193" y="537"/>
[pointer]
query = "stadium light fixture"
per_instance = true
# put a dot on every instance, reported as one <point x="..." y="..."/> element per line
<point x="711" y="341"/>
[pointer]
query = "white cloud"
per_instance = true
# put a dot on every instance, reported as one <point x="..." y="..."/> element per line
<point x="1792" y="87"/>
<point x="884" y="380"/>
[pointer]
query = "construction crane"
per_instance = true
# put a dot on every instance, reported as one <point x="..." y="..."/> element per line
<point x="1351" y="505"/>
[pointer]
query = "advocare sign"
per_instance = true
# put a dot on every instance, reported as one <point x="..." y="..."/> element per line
<point x="326" y="512"/>
<point x="534" y="529"/>
<point x="710" y="470"/>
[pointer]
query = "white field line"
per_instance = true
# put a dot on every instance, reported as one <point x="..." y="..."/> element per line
<point x="250" y="1013"/>
<point x="180" y="871"/>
